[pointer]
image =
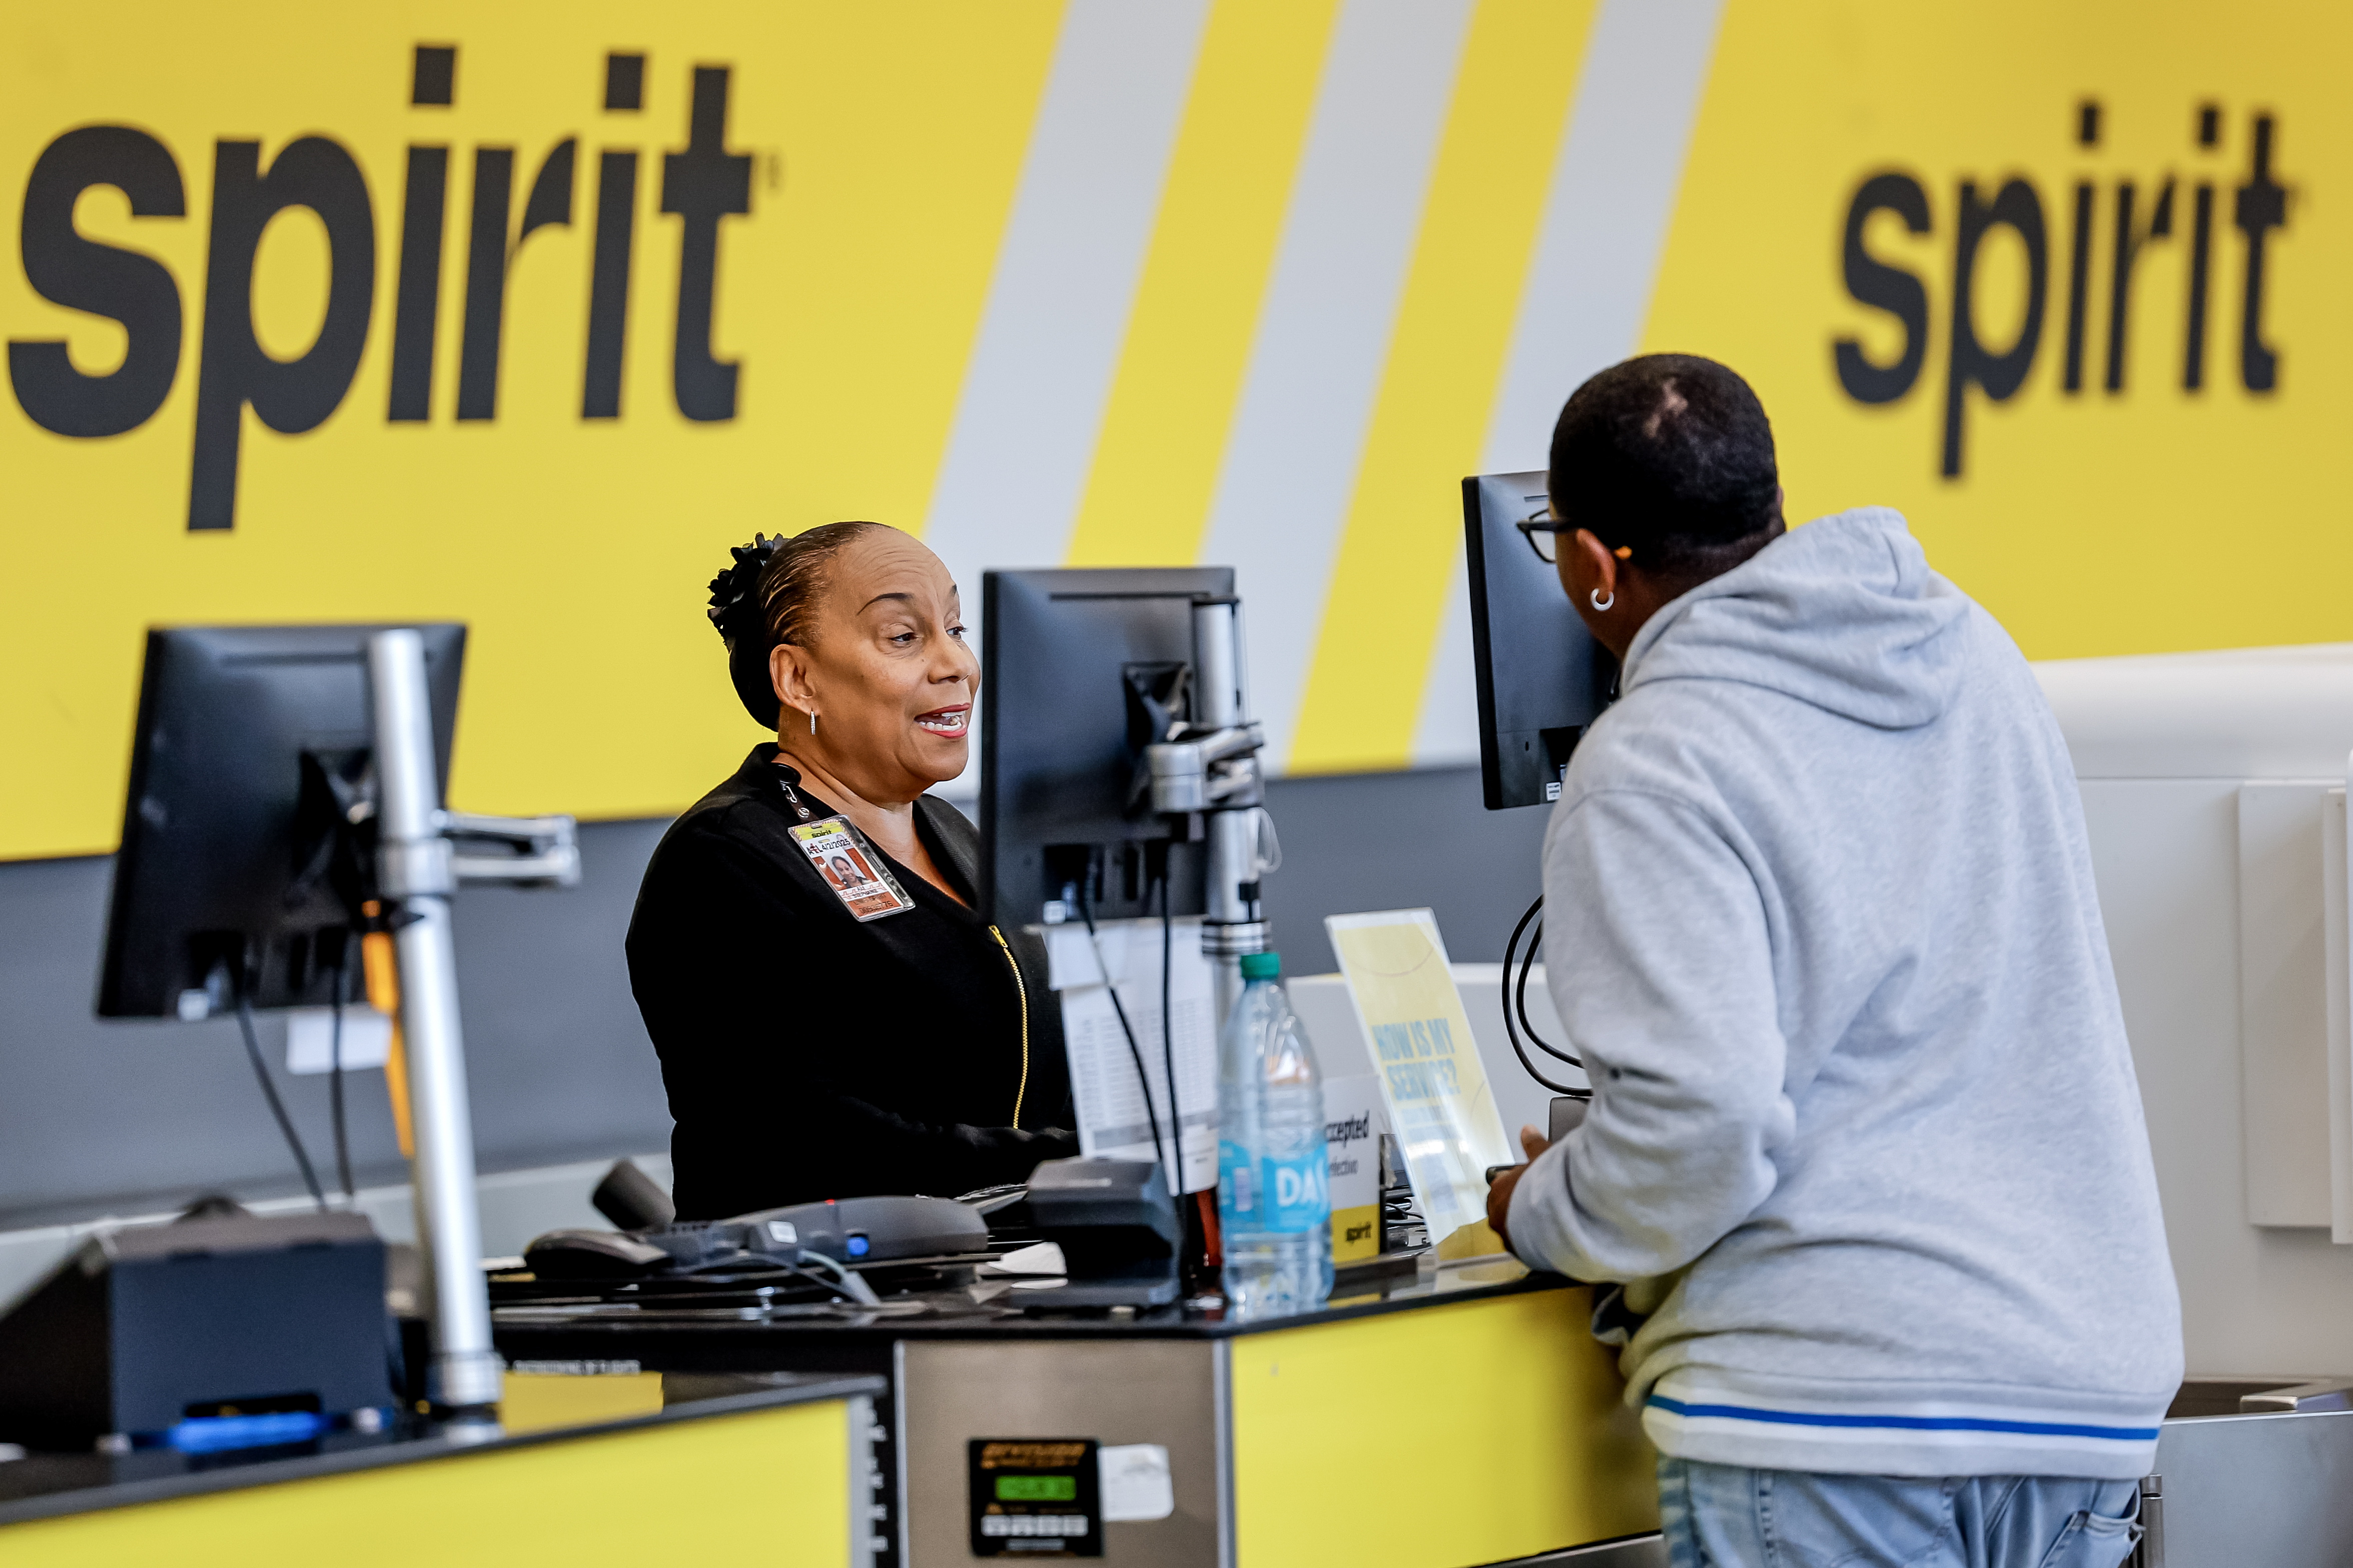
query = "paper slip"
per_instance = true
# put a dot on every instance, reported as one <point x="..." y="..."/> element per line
<point x="1134" y="1482"/>
<point x="311" y="1038"/>
<point x="1441" y="1107"/>
<point x="1040" y="1258"/>
<point x="1111" y="1104"/>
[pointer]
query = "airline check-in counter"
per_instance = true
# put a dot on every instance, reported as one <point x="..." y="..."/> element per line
<point x="1447" y="1415"/>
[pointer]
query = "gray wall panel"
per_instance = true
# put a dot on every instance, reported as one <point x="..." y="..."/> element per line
<point x="1402" y="840"/>
<point x="131" y="1117"/>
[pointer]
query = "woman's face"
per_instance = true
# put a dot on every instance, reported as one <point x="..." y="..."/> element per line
<point x="887" y="674"/>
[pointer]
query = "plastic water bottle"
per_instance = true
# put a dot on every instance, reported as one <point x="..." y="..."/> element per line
<point x="1274" y="1194"/>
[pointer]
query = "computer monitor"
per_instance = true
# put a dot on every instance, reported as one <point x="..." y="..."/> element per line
<point x="234" y="879"/>
<point x="1081" y="670"/>
<point x="1542" y="678"/>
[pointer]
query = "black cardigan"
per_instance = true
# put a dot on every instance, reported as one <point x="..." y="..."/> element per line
<point x="809" y="1056"/>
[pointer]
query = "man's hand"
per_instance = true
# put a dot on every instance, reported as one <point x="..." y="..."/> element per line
<point x="1499" y="1195"/>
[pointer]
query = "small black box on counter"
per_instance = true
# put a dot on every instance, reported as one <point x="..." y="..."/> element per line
<point x="144" y="1327"/>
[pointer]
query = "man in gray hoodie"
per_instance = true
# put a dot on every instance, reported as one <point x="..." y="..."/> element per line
<point x="1865" y="1150"/>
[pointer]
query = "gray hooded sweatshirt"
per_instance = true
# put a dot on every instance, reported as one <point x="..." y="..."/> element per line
<point x="1865" y="1146"/>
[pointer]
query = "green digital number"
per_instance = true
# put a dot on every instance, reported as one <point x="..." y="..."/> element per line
<point x="1037" y="1489"/>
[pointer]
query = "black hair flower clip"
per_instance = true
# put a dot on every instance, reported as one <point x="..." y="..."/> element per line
<point x="735" y="591"/>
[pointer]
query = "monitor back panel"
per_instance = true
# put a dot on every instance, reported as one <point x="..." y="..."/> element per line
<point x="1063" y="735"/>
<point x="212" y="864"/>
<point x="1541" y="677"/>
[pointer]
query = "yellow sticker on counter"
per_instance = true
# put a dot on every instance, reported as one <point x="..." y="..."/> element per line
<point x="1356" y="1233"/>
<point x="1441" y="1107"/>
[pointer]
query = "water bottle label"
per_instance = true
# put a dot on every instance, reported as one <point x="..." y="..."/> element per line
<point x="1238" y="1194"/>
<point x="1298" y="1196"/>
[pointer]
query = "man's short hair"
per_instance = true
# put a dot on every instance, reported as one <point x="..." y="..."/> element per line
<point x="1671" y="456"/>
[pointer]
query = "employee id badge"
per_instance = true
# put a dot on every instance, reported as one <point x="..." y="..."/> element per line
<point x="851" y="868"/>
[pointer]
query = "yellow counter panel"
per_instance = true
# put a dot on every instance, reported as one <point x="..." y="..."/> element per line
<point x="611" y="1499"/>
<point x="1477" y="1433"/>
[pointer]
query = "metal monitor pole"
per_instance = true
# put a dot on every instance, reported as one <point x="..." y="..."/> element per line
<point x="417" y="871"/>
<point x="1212" y="767"/>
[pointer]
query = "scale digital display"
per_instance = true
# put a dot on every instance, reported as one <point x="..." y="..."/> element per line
<point x="1036" y="1496"/>
<point x="1037" y="1489"/>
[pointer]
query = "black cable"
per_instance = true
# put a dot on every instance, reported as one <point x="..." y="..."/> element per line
<point x="1515" y="998"/>
<point x="751" y="1263"/>
<point x="1168" y="1030"/>
<point x="806" y="1263"/>
<point x="335" y="1081"/>
<point x="1135" y="1051"/>
<point x="808" y="1259"/>
<point x="277" y="1107"/>
<point x="1518" y="1004"/>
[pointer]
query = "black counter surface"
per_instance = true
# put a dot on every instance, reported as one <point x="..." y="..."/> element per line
<point x="679" y="1332"/>
<point x="45" y="1486"/>
<point x="802" y="1351"/>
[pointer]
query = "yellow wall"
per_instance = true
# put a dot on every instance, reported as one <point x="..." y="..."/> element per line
<point x="877" y="303"/>
<point x="2095" y="522"/>
<point x="887" y="142"/>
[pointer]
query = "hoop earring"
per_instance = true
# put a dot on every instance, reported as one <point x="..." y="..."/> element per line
<point x="1600" y="605"/>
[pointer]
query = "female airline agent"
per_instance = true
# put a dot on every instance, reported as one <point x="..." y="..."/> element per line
<point x="834" y="1015"/>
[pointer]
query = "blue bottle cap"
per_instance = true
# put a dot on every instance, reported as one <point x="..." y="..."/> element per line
<point x="1261" y="965"/>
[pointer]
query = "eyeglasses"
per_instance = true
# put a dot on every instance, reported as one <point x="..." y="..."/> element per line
<point x="1541" y="529"/>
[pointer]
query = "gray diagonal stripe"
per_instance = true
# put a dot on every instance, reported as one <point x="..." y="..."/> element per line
<point x="1033" y="397"/>
<point x="1589" y="288"/>
<point x="1282" y="494"/>
<point x="1605" y="223"/>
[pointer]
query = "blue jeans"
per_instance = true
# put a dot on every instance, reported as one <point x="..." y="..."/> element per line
<point x="1719" y="1516"/>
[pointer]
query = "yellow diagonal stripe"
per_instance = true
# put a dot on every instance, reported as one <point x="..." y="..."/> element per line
<point x="1197" y="307"/>
<point x="1445" y="364"/>
<point x="869" y="431"/>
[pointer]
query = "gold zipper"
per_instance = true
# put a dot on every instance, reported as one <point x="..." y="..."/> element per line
<point x="1021" y="991"/>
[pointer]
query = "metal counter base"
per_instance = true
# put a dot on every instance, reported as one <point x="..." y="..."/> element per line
<point x="2252" y="1492"/>
<point x="1465" y="1420"/>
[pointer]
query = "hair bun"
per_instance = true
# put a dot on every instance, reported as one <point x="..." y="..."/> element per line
<point x="735" y="592"/>
<point x="791" y="572"/>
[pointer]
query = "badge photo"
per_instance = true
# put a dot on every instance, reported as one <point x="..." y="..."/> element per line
<point x="851" y="868"/>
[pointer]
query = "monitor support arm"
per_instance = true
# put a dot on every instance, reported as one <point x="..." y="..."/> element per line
<point x="545" y="850"/>
<point x="1211" y="766"/>
<point x="417" y="870"/>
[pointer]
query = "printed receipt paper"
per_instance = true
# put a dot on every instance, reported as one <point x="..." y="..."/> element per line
<point x="1442" y="1109"/>
<point x="1111" y="1118"/>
